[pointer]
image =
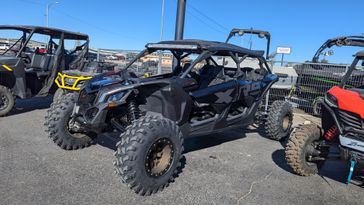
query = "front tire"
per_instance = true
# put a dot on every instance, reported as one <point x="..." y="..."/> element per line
<point x="279" y="121"/>
<point x="302" y="147"/>
<point x="149" y="154"/>
<point x="7" y="100"/>
<point x="58" y="94"/>
<point x="57" y="122"/>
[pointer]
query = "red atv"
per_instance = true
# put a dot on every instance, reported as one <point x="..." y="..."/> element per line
<point x="342" y="126"/>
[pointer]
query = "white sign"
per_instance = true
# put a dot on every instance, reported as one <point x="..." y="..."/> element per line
<point x="283" y="50"/>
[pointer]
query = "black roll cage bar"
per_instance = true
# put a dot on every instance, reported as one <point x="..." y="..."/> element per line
<point x="25" y="39"/>
<point x="178" y="54"/>
<point x="259" y="33"/>
<point x="358" y="57"/>
<point x="357" y="41"/>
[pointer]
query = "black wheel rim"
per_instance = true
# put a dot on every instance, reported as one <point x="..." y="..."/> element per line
<point x="159" y="157"/>
<point x="4" y="102"/>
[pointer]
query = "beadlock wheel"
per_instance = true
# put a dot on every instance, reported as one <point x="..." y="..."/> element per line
<point x="159" y="157"/>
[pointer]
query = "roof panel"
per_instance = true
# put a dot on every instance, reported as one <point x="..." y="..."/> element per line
<point x="200" y="45"/>
<point x="54" y="32"/>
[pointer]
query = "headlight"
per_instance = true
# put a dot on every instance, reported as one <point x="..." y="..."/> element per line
<point x="331" y="100"/>
<point x="115" y="97"/>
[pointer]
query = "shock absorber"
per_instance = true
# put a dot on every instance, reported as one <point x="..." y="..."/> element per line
<point x="133" y="110"/>
<point x="331" y="133"/>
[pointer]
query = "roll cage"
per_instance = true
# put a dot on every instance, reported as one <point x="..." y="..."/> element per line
<point x="358" y="57"/>
<point x="259" y="33"/>
<point x="205" y="50"/>
<point x="53" y="33"/>
<point x="357" y="41"/>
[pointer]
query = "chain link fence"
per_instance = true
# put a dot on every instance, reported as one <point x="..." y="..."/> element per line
<point x="303" y="85"/>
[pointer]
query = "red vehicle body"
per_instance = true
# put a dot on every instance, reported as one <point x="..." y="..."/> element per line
<point x="348" y="100"/>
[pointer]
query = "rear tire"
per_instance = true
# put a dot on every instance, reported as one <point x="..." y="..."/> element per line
<point x="279" y="121"/>
<point x="7" y="100"/>
<point x="149" y="154"/>
<point x="297" y="147"/>
<point x="57" y="121"/>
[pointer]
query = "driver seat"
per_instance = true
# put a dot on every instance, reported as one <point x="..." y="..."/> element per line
<point x="207" y="75"/>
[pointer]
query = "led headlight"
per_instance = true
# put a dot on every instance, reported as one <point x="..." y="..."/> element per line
<point x="115" y="97"/>
<point x="331" y="100"/>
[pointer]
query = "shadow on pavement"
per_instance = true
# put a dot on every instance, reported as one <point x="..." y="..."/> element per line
<point x="334" y="169"/>
<point x="109" y="140"/>
<point x="26" y="105"/>
<point x="203" y="142"/>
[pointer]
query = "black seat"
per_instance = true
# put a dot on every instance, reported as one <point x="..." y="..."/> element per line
<point x="207" y="74"/>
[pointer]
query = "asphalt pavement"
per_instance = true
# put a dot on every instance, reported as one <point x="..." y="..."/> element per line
<point x="235" y="167"/>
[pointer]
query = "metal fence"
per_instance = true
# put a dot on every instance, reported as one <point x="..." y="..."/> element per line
<point x="310" y="84"/>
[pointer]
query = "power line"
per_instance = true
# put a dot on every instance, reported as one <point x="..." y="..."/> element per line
<point x="205" y="23"/>
<point x="207" y="17"/>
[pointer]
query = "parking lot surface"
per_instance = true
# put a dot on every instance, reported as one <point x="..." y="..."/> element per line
<point x="236" y="167"/>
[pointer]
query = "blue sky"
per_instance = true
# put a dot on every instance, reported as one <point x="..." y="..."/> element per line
<point x="120" y="24"/>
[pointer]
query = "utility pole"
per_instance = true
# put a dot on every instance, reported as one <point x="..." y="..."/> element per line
<point x="180" y="24"/>
<point x="48" y="6"/>
<point x="161" y="38"/>
<point x="180" y="19"/>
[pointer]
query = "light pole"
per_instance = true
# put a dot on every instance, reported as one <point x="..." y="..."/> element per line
<point x="48" y="6"/>
<point x="160" y="38"/>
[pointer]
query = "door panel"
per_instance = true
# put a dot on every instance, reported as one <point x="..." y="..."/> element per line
<point x="223" y="93"/>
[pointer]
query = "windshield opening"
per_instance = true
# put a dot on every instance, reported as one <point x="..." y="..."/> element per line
<point x="152" y="63"/>
<point x="11" y="41"/>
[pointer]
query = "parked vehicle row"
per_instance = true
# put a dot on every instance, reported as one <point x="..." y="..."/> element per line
<point x="211" y="87"/>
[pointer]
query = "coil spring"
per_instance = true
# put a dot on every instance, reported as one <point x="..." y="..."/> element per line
<point x="134" y="112"/>
<point x="331" y="133"/>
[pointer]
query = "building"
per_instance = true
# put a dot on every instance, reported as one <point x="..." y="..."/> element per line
<point x="166" y="59"/>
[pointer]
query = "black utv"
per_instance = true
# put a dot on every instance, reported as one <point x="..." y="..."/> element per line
<point x="32" y="57"/>
<point x="154" y="115"/>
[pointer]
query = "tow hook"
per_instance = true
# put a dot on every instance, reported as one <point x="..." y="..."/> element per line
<point x="351" y="170"/>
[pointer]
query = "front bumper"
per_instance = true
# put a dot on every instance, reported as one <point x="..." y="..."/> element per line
<point x="62" y="79"/>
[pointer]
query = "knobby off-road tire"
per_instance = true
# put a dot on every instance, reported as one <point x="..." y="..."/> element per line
<point x="57" y="122"/>
<point x="7" y="100"/>
<point x="58" y="94"/>
<point x="135" y="160"/>
<point x="279" y="120"/>
<point x="297" y="147"/>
